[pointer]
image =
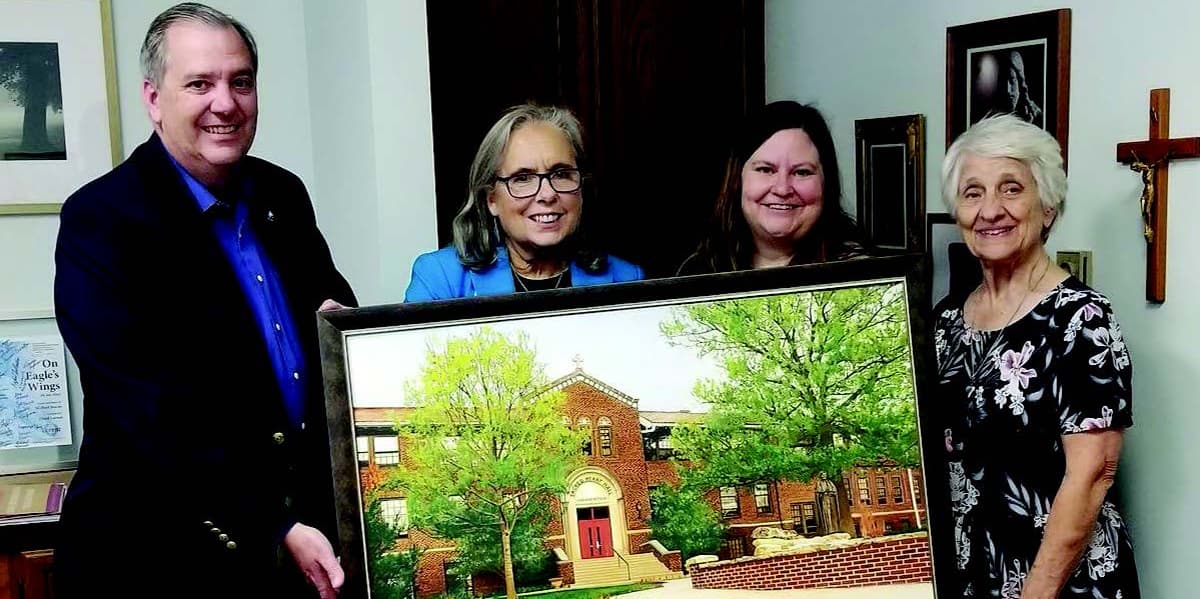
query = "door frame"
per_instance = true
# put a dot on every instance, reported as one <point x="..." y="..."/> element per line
<point x="573" y="500"/>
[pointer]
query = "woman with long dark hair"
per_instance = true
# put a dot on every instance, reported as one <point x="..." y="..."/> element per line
<point x="780" y="202"/>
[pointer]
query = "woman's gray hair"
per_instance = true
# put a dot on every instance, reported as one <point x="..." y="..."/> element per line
<point x="476" y="233"/>
<point x="1007" y="136"/>
<point x="154" y="47"/>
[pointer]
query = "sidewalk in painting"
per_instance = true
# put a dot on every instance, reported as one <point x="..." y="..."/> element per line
<point x="682" y="589"/>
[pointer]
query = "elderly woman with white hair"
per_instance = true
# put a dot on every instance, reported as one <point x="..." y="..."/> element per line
<point x="1035" y="380"/>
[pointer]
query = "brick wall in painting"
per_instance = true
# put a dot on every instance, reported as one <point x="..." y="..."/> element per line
<point x="894" y="560"/>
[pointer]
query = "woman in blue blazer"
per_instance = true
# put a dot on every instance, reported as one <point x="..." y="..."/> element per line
<point x="522" y="226"/>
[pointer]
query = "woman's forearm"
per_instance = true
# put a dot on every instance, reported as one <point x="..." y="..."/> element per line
<point x="1068" y="529"/>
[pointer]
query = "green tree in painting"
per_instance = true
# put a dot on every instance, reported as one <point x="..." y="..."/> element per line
<point x="487" y="443"/>
<point x="477" y="537"/>
<point x="393" y="572"/>
<point x="682" y="519"/>
<point x="29" y="72"/>
<point x="815" y="383"/>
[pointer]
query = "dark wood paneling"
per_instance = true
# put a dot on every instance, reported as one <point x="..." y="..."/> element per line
<point x="658" y="85"/>
<point x="674" y="81"/>
<point x="484" y="56"/>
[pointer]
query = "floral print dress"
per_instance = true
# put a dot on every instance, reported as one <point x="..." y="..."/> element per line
<point x="1010" y="396"/>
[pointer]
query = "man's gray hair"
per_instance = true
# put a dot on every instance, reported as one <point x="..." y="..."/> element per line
<point x="154" y="48"/>
<point x="1008" y="136"/>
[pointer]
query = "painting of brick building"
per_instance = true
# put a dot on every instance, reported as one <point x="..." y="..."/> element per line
<point x="741" y="401"/>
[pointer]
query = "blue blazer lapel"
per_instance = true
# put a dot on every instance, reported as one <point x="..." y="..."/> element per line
<point x="493" y="280"/>
<point x="582" y="278"/>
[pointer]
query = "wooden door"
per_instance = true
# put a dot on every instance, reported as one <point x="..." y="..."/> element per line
<point x="33" y="574"/>
<point x="673" y="82"/>
<point x="595" y="533"/>
<point x="485" y="56"/>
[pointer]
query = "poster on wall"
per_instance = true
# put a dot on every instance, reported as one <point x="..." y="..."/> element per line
<point x="34" y="408"/>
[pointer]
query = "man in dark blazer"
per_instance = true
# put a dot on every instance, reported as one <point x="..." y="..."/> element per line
<point x="187" y="285"/>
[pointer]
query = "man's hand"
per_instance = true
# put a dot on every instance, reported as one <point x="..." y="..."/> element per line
<point x="328" y="305"/>
<point x="314" y="556"/>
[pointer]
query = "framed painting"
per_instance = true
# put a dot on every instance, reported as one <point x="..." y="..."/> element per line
<point x="891" y="181"/>
<point x="603" y="437"/>
<point x="1077" y="263"/>
<point x="1019" y="65"/>
<point x="58" y="102"/>
<point x="954" y="270"/>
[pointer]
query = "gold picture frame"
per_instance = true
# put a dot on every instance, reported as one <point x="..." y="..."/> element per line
<point x="38" y="187"/>
<point x="368" y="401"/>
<point x="890" y="160"/>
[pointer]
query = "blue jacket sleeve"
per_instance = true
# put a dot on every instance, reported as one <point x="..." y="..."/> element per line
<point x="428" y="281"/>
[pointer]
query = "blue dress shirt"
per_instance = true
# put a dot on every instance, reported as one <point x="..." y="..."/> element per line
<point x="262" y="288"/>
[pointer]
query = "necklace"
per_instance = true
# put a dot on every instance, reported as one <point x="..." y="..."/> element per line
<point x="1024" y="296"/>
<point x="557" y="279"/>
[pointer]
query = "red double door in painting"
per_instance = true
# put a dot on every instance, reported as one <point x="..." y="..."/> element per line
<point x="595" y="532"/>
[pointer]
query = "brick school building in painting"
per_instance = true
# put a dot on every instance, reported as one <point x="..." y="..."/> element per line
<point x="601" y="530"/>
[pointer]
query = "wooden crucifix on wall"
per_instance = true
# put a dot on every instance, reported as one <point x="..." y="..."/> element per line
<point x="1150" y="158"/>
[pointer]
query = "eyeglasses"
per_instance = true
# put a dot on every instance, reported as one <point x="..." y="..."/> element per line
<point x="527" y="185"/>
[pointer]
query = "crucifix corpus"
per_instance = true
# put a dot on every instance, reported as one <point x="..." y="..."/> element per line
<point x="1150" y="158"/>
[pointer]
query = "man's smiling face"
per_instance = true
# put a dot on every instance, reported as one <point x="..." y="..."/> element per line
<point x="205" y="109"/>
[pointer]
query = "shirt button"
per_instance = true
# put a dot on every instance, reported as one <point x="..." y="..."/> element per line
<point x="231" y="545"/>
<point x="278" y="437"/>
<point x="278" y="327"/>
<point x="259" y="278"/>
<point x="295" y="375"/>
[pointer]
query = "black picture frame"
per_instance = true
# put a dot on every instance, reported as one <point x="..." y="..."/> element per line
<point x="1023" y="60"/>
<point x="338" y="328"/>
<point x="953" y="270"/>
<point x="891" y="181"/>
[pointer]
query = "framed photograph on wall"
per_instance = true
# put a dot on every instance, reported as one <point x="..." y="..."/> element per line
<point x="535" y="435"/>
<point x="58" y="103"/>
<point x="954" y="271"/>
<point x="1077" y="263"/>
<point x="891" y="181"/>
<point x="1019" y="65"/>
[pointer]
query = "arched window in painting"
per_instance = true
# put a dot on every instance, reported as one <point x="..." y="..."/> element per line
<point x="605" y="428"/>
<point x="585" y="425"/>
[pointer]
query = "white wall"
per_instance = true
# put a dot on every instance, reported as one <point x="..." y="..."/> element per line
<point x="373" y="139"/>
<point x="344" y="190"/>
<point x="407" y="224"/>
<point x="879" y="58"/>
